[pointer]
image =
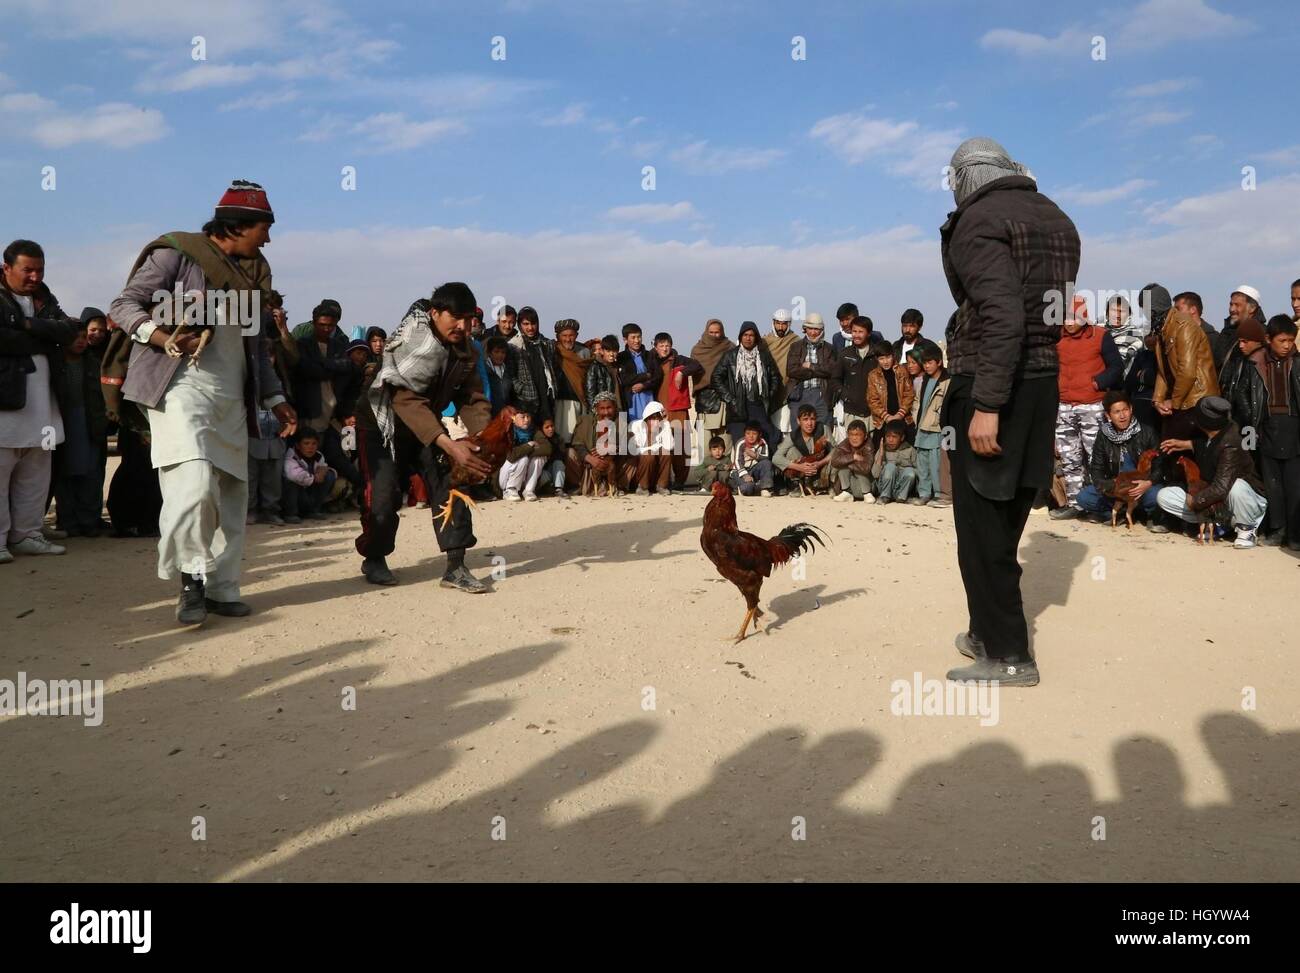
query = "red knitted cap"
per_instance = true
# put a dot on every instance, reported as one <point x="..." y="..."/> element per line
<point x="245" y="201"/>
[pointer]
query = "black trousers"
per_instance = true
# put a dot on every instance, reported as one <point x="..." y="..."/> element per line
<point x="989" y="530"/>
<point x="384" y="474"/>
<point x="1282" y="487"/>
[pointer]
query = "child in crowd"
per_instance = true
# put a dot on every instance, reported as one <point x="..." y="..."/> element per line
<point x="751" y="468"/>
<point x="78" y="488"/>
<point x="889" y="392"/>
<point x="717" y="468"/>
<point x="553" y="472"/>
<point x="602" y="376"/>
<point x="894" y="468"/>
<point x="926" y="410"/>
<point x="265" y="464"/>
<point x="499" y="384"/>
<point x="522" y="469"/>
<point x="851" y="461"/>
<point x="308" y="479"/>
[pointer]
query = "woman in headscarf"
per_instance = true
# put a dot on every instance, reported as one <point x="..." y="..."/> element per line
<point x="708" y="351"/>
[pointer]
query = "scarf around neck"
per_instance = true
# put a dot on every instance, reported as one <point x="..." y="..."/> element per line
<point x="708" y="351"/>
<point x="749" y="369"/>
<point x="1115" y="436"/>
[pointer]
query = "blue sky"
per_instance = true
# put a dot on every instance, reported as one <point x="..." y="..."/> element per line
<point x="774" y="177"/>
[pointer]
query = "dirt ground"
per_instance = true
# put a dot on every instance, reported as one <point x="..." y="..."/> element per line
<point x="587" y="720"/>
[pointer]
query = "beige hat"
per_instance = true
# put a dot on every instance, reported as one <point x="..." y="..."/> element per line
<point x="780" y="314"/>
<point x="814" y="320"/>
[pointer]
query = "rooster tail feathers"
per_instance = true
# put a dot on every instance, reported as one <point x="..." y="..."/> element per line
<point x="793" y="541"/>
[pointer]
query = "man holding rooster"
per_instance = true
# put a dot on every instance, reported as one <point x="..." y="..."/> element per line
<point x="428" y="363"/>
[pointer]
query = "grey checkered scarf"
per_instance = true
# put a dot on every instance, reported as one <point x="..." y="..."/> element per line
<point x="977" y="162"/>
<point x="413" y="359"/>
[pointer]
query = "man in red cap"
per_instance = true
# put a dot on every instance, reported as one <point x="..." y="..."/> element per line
<point x="202" y="410"/>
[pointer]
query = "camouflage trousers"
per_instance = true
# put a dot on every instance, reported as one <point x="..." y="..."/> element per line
<point x="1076" y="431"/>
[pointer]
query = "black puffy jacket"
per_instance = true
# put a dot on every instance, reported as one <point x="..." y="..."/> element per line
<point x="50" y="330"/>
<point x="727" y="384"/>
<point x="1008" y="250"/>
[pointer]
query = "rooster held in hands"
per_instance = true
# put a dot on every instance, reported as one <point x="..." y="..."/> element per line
<point x="493" y="443"/>
<point x="1124" y="484"/>
<point x="746" y="559"/>
<point x="1194" y="486"/>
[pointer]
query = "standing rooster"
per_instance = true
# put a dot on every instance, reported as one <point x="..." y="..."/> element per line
<point x="745" y="559"/>
<point x="1124" y="481"/>
<point x="494" y="442"/>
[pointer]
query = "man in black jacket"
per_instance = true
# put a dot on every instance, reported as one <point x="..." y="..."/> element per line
<point x="33" y="331"/>
<point x="1010" y="255"/>
<point x="1121" y="441"/>
<point x="325" y="389"/>
<point x="856" y="363"/>
<point x="749" y="384"/>
<point x="1233" y="492"/>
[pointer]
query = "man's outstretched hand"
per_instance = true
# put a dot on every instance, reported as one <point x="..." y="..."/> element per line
<point x="464" y="454"/>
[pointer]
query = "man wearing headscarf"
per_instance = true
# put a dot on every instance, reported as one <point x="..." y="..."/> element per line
<point x="778" y="343"/>
<point x="750" y="384"/>
<point x="709" y="351"/>
<point x="1010" y="256"/>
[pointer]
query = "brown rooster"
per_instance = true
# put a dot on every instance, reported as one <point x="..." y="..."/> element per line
<point x="1194" y="486"/>
<point x="493" y="443"/>
<point x="1124" y="483"/>
<point x="745" y="559"/>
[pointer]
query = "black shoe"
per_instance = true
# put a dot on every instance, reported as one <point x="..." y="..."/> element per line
<point x="230" y="609"/>
<point x="461" y="579"/>
<point x="1274" y="539"/>
<point x="317" y="515"/>
<point x="1293" y="545"/>
<point x="376" y="571"/>
<point x="1064" y="513"/>
<point x="995" y="670"/>
<point x="191" y="608"/>
<point x="971" y="646"/>
<point x="884" y="499"/>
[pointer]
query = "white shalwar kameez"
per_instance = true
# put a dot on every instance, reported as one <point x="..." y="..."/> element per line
<point x="200" y="449"/>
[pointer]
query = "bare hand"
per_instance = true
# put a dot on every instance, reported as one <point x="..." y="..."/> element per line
<point x="1175" y="445"/>
<point x="319" y="474"/>
<point x="463" y="453"/>
<point x="1165" y="408"/>
<point x="679" y="380"/>
<point x="1139" y="488"/>
<point x="281" y="319"/>
<point x="983" y="434"/>
<point x="638" y="387"/>
<point x="288" y="419"/>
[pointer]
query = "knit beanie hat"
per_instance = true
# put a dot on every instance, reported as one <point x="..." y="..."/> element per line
<point x="244" y="201"/>
<point x="1251" y="330"/>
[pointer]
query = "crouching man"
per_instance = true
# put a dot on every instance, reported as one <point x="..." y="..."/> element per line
<point x="1121" y="441"/>
<point x="1227" y="471"/>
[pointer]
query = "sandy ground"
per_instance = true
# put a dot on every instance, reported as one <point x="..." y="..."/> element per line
<point x="525" y="714"/>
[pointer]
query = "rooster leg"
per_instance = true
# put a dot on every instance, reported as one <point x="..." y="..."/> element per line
<point x="204" y="337"/>
<point x="758" y="613"/>
<point x="1114" y="514"/>
<point x="452" y="497"/>
<point x="1128" y="515"/>
<point x="744" y="626"/>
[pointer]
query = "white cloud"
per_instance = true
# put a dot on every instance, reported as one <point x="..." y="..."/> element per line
<point x="115" y="124"/>
<point x="1289" y="156"/>
<point x="393" y="131"/>
<point x="1152" y="119"/>
<point x="698" y="157"/>
<point x="652" y="213"/>
<point x="260" y="102"/>
<point x="1028" y="44"/>
<point x="1158" y="89"/>
<point x="25" y="102"/>
<point x="573" y="114"/>
<point x="1152" y="24"/>
<point x="1158" y="23"/>
<point x="1097" y="197"/>
<point x="906" y="148"/>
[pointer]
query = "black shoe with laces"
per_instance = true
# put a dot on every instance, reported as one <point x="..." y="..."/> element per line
<point x="191" y="608"/>
<point x="999" y="671"/>
<point x="462" y="580"/>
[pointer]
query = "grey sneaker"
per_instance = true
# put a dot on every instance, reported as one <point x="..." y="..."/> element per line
<point x="464" y="581"/>
<point x="1065" y="513"/>
<point x="37" y="545"/>
<point x="971" y="647"/>
<point x="917" y="501"/>
<point x="995" y="670"/>
<point x="5" y="556"/>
